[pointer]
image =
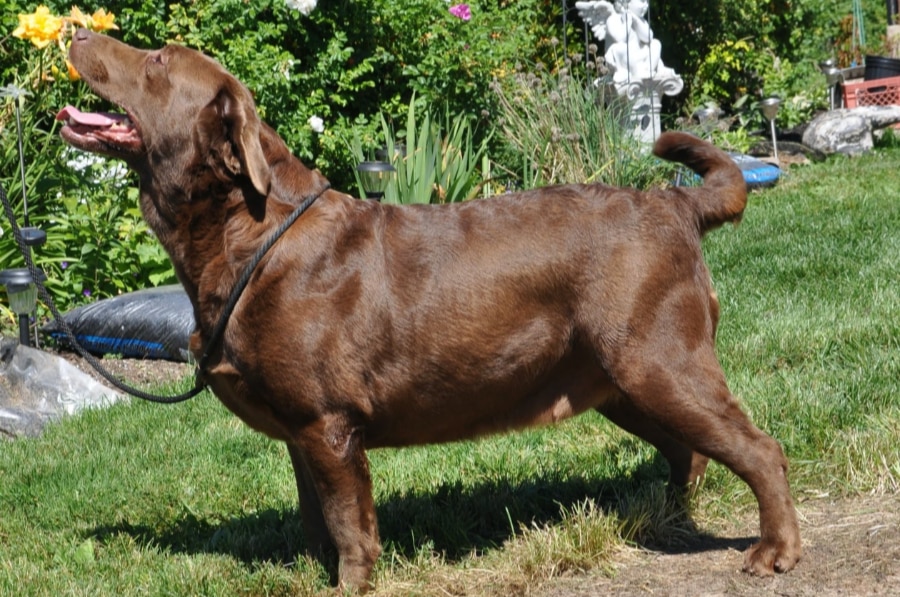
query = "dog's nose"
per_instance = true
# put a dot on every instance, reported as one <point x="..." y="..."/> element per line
<point x="81" y="34"/>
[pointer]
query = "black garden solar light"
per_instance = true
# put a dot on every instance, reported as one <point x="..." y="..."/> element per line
<point x="22" y="295"/>
<point x="375" y="177"/>
<point x="20" y="285"/>
<point x="833" y="76"/>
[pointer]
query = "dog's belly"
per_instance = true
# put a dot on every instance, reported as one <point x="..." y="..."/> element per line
<point x="567" y="392"/>
<point x="419" y="415"/>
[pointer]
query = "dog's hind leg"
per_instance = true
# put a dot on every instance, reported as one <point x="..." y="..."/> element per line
<point x="689" y="399"/>
<point x="686" y="466"/>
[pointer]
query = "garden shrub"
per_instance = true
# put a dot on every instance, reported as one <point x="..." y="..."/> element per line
<point x="348" y="61"/>
<point x="561" y="127"/>
<point x="738" y="52"/>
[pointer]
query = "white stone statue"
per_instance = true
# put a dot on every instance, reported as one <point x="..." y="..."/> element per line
<point x="632" y="53"/>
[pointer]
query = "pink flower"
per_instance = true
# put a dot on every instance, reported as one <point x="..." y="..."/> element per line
<point x="461" y="11"/>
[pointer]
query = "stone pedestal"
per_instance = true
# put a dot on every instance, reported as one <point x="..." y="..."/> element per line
<point x="646" y="98"/>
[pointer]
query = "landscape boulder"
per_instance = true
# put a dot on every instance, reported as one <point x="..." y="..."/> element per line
<point x="37" y="387"/>
<point x="849" y="130"/>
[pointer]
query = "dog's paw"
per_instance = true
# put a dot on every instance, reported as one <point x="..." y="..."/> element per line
<point x="767" y="558"/>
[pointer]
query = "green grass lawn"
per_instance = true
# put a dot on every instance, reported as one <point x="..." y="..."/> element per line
<point x="143" y="499"/>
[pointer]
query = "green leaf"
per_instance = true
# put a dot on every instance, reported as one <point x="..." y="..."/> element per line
<point x="84" y="553"/>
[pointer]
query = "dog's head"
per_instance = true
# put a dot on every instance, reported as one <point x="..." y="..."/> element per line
<point x="183" y="112"/>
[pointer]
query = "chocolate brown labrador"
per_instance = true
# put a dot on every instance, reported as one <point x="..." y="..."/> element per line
<point x="371" y="325"/>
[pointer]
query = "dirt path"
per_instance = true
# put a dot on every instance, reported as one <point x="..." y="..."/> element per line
<point x="852" y="547"/>
<point x="141" y="373"/>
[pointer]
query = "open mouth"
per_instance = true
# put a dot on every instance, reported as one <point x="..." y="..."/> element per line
<point x="113" y="134"/>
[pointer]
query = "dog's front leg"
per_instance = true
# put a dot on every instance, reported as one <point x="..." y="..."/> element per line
<point x="333" y="462"/>
<point x="318" y="541"/>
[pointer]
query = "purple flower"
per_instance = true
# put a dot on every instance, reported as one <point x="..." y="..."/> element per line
<point x="86" y="292"/>
<point x="64" y="265"/>
<point x="461" y="11"/>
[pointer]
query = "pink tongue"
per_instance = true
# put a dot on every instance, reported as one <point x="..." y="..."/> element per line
<point x="88" y="119"/>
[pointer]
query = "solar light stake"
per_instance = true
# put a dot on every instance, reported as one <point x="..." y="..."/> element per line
<point x="19" y="283"/>
<point x="707" y="118"/>
<point x="833" y="76"/>
<point x="769" y="108"/>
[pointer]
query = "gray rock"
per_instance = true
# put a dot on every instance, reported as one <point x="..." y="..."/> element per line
<point x="37" y="387"/>
<point x="849" y="131"/>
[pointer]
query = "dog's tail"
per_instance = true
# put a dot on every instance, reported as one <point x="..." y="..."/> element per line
<point x="723" y="196"/>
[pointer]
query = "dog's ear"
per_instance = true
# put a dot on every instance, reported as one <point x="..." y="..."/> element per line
<point x="238" y="113"/>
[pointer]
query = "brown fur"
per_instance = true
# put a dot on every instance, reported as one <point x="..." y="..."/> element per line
<point x="373" y="325"/>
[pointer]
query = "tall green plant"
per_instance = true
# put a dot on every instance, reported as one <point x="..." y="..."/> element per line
<point x="435" y="161"/>
<point x="562" y="128"/>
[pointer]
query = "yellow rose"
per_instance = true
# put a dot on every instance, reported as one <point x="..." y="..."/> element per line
<point x="40" y="28"/>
